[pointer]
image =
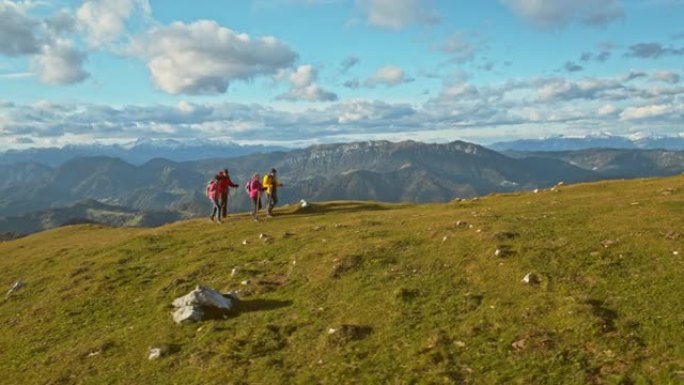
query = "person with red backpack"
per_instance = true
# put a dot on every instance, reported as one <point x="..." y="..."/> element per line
<point x="214" y="194"/>
<point x="226" y="184"/>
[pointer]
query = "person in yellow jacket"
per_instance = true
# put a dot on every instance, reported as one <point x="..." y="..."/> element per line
<point x="271" y="184"/>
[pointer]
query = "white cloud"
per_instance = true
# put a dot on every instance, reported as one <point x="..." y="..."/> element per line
<point x="645" y="112"/>
<point x="397" y="14"/>
<point x="389" y="75"/>
<point x="59" y="64"/>
<point x="17" y="36"/>
<point x="606" y="110"/>
<point x="303" y="86"/>
<point x="204" y="57"/>
<point x="554" y="14"/>
<point x="104" y="20"/>
<point x="666" y="77"/>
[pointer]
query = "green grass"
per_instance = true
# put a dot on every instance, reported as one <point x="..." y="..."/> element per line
<point x="416" y="298"/>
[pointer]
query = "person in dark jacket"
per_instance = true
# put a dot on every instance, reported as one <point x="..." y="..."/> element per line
<point x="226" y="184"/>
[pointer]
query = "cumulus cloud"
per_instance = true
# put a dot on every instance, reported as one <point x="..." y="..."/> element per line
<point x="397" y="14"/>
<point x="303" y="87"/>
<point x="652" y="51"/>
<point x="554" y="14"/>
<point x="104" y="20"/>
<point x="61" y="23"/>
<point x="572" y="67"/>
<point x="60" y="64"/>
<point x="458" y="46"/>
<point x="348" y="63"/>
<point x="644" y="112"/>
<point x="666" y="77"/>
<point x="352" y="83"/>
<point x="389" y="75"/>
<point x="204" y="57"/>
<point x="17" y="36"/>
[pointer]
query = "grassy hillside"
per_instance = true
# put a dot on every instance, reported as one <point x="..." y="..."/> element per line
<point x="414" y="294"/>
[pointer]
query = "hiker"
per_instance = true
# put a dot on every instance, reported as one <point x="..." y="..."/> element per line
<point x="214" y="194"/>
<point x="254" y="188"/>
<point x="226" y="184"/>
<point x="271" y="185"/>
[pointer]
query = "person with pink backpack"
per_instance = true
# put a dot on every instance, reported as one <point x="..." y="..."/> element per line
<point x="214" y="192"/>
<point x="254" y="188"/>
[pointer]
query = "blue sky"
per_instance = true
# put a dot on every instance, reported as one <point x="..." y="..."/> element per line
<point x="297" y="72"/>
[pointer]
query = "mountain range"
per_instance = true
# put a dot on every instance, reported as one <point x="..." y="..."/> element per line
<point x="137" y="152"/>
<point x="377" y="170"/>
<point x="564" y="143"/>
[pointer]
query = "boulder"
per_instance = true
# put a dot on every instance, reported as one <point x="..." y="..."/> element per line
<point x="188" y="314"/>
<point x="203" y="296"/>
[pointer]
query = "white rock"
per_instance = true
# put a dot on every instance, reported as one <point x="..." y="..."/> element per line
<point x="263" y="236"/>
<point x="535" y="190"/>
<point x="444" y="239"/>
<point x="203" y="296"/>
<point x="154" y="353"/>
<point x="498" y="252"/>
<point x="246" y="282"/>
<point x="675" y="253"/>
<point x="530" y="278"/>
<point x="188" y="314"/>
<point x="303" y="203"/>
<point x="245" y="242"/>
<point x="234" y="272"/>
<point x="17" y="285"/>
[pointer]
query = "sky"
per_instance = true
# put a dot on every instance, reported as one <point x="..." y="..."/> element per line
<point x="300" y="72"/>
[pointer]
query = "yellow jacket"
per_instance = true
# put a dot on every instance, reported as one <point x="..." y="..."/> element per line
<point x="269" y="183"/>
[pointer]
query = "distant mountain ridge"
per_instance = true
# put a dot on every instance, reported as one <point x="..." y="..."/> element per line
<point x="377" y="170"/>
<point x="137" y="152"/>
<point x="88" y="211"/>
<point x="561" y="143"/>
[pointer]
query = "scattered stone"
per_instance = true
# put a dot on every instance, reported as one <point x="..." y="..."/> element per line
<point x="154" y="353"/>
<point x="608" y="242"/>
<point x="560" y="183"/>
<point x="478" y="230"/>
<point x="234" y="272"/>
<point x="460" y="344"/>
<point x="245" y="242"/>
<point x="246" y="282"/>
<point x="263" y="236"/>
<point x="675" y="252"/>
<point x="498" y="253"/>
<point x="303" y="203"/>
<point x="94" y="353"/>
<point x="635" y="203"/>
<point x="519" y="344"/>
<point x="535" y="190"/>
<point x="530" y="279"/>
<point x="17" y="285"/>
<point x="444" y="239"/>
<point x="461" y="223"/>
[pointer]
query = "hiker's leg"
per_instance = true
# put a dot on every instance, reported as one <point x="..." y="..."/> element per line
<point x="224" y="204"/>
<point x="217" y="207"/>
